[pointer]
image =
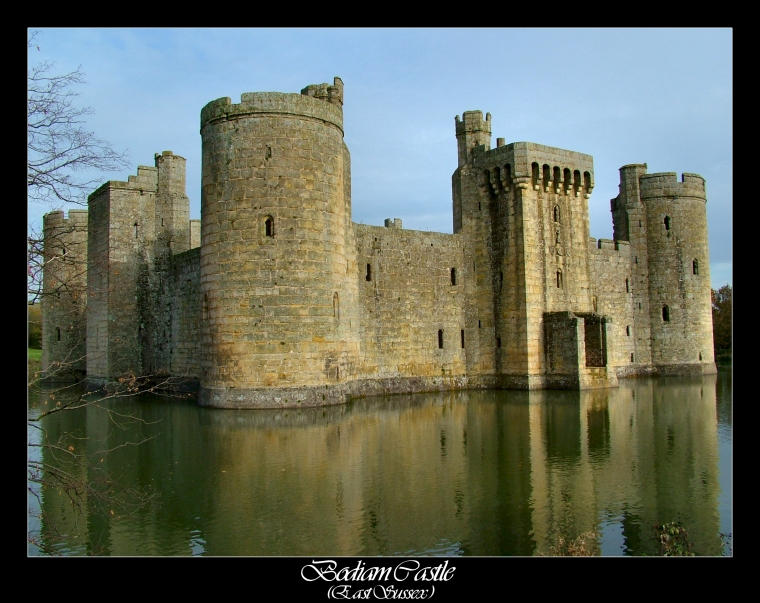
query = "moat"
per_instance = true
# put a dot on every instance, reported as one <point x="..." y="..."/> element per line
<point x="485" y="473"/>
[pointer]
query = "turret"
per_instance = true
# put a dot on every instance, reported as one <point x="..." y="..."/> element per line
<point x="172" y="205"/>
<point x="472" y="131"/>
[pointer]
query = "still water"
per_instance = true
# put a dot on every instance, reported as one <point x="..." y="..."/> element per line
<point x="494" y="473"/>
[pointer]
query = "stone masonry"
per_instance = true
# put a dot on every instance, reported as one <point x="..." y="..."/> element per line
<point x="276" y="298"/>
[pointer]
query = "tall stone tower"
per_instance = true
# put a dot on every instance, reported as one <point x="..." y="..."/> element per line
<point x="135" y="227"/>
<point x="666" y="222"/>
<point x="64" y="294"/>
<point x="278" y="260"/>
<point x="523" y="210"/>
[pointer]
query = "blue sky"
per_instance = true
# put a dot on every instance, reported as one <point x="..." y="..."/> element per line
<point x="663" y="97"/>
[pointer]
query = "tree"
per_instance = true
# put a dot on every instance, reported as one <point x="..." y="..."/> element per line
<point x="722" y="304"/>
<point x="60" y="150"/>
<point x="65" y="163"/>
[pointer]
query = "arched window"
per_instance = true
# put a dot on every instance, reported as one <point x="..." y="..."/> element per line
<point x="440" y="338"/>
<point x="667" y="222"/>
<point x="547" y="175"/>
<point x="628" y="330"/>
<point x="568" y="178"/>
<point x="695" y="267"/>
<point x="368" y="277"/>
<point x="559" y="279"/>
<point x="665" y="313"/>
<point x="269" y="226"/>
<point x="556" y="213"/>
<point x="135" y="229"/>
<point x="453" y="276"/>
<point x="536" y="173"/>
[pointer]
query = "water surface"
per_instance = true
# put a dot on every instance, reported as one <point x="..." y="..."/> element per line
<point x="487" y="473"/>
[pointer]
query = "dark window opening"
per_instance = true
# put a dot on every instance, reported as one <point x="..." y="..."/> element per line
<point x="559" y="279"/>
<point x="667" y="222"/>
<point x="627" y="286"/>
<point x="440" y="338"/>
<point x="64" y="250"/>
<point x="631" y="357"/>
<point x="501" y="280"/>
<point x="695" y="267"/>
<point x="665" y="313"/>
<point x="369" y="272"/>
<point x="478" y="323"/>
<point x="498" y="341"/>
<point x="700" y="355"/>
<point x="58" y="333"/>
<point x="461" y="334"/>
<point x="135" y="229"/>
<point x="628" y="330"/>
<point x="269" y="226"/>
<point x="556" y="213"/>
<point x="453" y="276"/>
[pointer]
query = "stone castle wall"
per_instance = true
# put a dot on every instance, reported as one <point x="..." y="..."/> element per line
<point x="411" y="303"/>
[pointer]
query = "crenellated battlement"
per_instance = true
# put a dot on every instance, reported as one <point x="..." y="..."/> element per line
<point x="665" y="184"/>
<point x="607" y="245"/>
<point x="318" y="101"/>
<point x="536" y="166"/>
<point x="332" y="94"/>
<point x="58" y="218"/>
<point x="472" y="121"/>
<point x="146" y="180"/>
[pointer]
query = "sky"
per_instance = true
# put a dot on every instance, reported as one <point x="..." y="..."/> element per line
<point x="659" y="96"/>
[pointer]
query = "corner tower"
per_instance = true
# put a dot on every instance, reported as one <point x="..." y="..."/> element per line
<point x="665" y="222"/>
<point x="680" y="308"/>
<point x="64" y="295"/>
<point x="277" y="303"/>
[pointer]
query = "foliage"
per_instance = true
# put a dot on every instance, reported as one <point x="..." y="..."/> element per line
<point x="65" y="161"/>
<point x="34" y="326"/>
<point x="59" y="147"/>
<point x="674" y="540"/>
<point x="722" y="304"/>
<point x="583" y="545"/>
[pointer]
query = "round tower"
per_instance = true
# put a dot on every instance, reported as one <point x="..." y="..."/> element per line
<point x="64" y="294"/>
<point x="680" y="308"/>
<point x="277" y="263"/>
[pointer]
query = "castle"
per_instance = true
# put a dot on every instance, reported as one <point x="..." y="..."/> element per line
<point x="276" y="298"/>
